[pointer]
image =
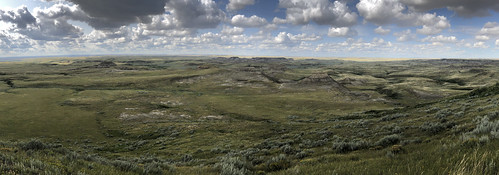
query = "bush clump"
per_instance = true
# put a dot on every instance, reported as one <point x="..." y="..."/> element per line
<point x="344" y="147"/>
<point x="33" y="145"/>
<point x="388" y="140"/>
<point x="233" y="166"/>
<point x="277" y="163"/>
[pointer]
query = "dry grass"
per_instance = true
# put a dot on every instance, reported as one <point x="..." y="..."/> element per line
<point x="477" y="163"/>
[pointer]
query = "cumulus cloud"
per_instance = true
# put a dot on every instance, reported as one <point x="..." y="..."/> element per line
<point x="406" y="35"/>
<point x="112" y="14"/>
<point x="50" y="24"/>
<point x="113" y="35"/>
<point x="161" y="25"/>
<point x="489" y="30"/>
<point x="248" y="22"/>
<point x="232" y="30"/>
<point x="183" y="18"/>
<point x="383" y="12"/>
<point x="380" y="30"/>
<point x="465" y="8"/>
<point x="322" y="12"/>
<point x="482" y="37"/>
<point x="432" y="24"/>
<point x="11" y="42"/>
<point x="285" y="39"/>
<point x="480" y="44"/>
<point x="195" y="13"/>
<point x="341" y="32"/>
<point x="20" y="17"/>
<point x="376" y="45"/>
<point x="304" y="37"/>
<point x="497" y="42"/>
<point x="239" y="4"/>
<point x="116" y="13"/>
<point x="440" y="39"/>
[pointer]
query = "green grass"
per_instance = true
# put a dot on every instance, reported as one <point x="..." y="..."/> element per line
<point x="227" y="118"/>
<point x="28" y="113"/>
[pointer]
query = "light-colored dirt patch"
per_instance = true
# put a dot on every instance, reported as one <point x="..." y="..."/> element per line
<point x="154" y="115"/>
<point x="212" y="117"/>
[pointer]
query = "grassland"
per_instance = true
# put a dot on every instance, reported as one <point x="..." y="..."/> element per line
<point x="202" y="115"/>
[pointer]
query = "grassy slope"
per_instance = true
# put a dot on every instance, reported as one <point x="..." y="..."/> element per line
<point x="79" y="106"/>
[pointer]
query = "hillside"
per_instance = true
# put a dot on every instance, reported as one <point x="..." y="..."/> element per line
<point x="201" y="115"/>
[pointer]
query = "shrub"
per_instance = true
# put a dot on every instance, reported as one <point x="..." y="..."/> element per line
<point x="484" y="139"/>
<point x="493" y="115"/>
<point x="485" y="126"/>
<point x="288" y="149"/>
<point x="396" y="130"/>
<point x="389" y="140"/>
<point x="432" y="110"/>
<point x="344" y="147"/>
<point x="302" y="154"/>
<point x="312" y="144"/>
<point x="432" y="127"/>
<point x="33" y="145"/>
<point x="233" y="166"/>
<point x="443" y="113"/>
<point x="249" y="152"/>
<point x="277" y="163"/>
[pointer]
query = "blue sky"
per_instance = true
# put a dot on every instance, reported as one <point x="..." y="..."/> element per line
<point x="302" y="28"/>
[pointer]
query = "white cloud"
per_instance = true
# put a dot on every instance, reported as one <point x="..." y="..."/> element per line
<point x="21" y="17"/>
<point x="341" y="32"/>
<point x="432" y="24"/>
<point x="12" y="42"/>
<point x="248" y="22"/>
<point x="286" y="40"/>
<point x="239" y="4"/>
<point x="383" y="12"/>
<point x="480" y="44"/>
<point x="322" y="12"/>
<point x="232" y="30"/>
<point x="436" y="40"/>
<point x="482" y="37"/>
<point x="110" y="36"/>
<point x="382" y="31"/>
<point x="497" y="42"/>
<point x="304" y="37"/>
<point x="50" y="24"/>
<point x="488" y="31"/>
<point x="406" y="35"/>
<point x="195" y="13"/>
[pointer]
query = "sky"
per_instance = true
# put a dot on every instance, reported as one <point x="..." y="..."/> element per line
<point x="293" y="28"/>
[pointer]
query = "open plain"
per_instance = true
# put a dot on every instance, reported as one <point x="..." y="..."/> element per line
<point x="230" y="115"/>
